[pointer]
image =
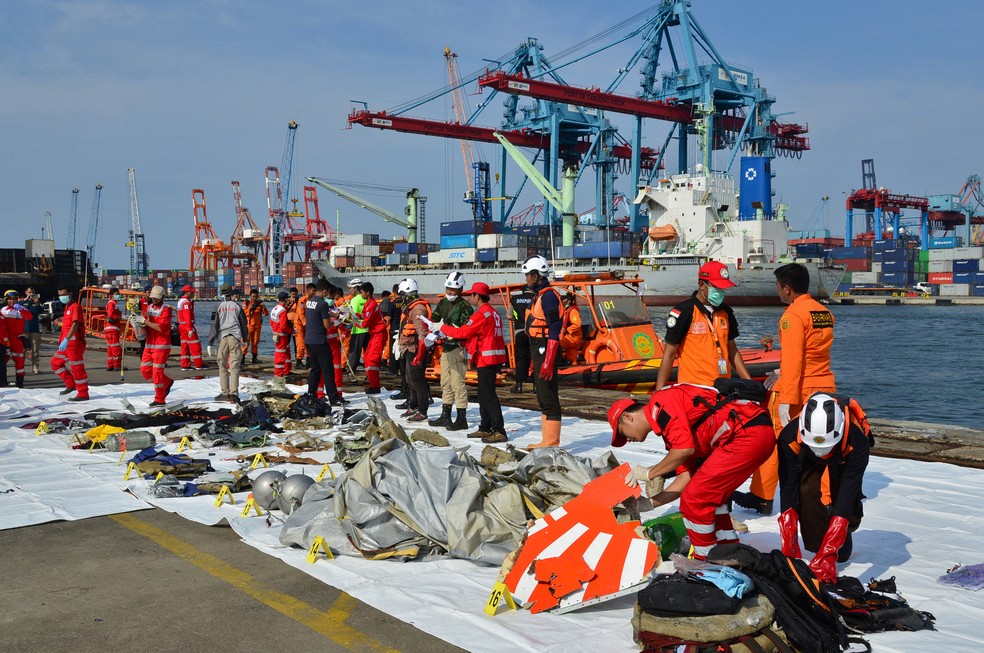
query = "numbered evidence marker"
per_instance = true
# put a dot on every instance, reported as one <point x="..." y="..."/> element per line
<point x="319" y="544"/>
<point x="223" y="493"/>
<point x="499" y="592"/>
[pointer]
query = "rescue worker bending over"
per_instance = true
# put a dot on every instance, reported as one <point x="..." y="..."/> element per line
<point x="806" y="334"/>
<point x="826" y="437"/>
<point x="454" y="393"/>
<point x="543" y="326"/>
<point x="571" y="336"/>
<point x="711" y="452"/>
<point x="701" y="333"/>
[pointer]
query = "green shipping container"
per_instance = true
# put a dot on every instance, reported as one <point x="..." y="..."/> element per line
<point x="923" y="255"/>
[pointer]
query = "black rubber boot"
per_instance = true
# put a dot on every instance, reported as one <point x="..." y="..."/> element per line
<point x="459" y="424"/>
<point x="19" y="380"/>
<point x="752" y="502"/>
<point x="255" y="359"/>
<point x="518" y="388"/>
<point x="444" y="420"/>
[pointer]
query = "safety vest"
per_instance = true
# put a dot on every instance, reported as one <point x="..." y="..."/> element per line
<point x="160" y="315"/>
<point x="407" y="327"/>
<point x="705" y="344"/>
<point x="113" y="315"/>
<point x="536" y="321"/>
<point x="186" y="312"/>
<point x="280" y="323"/>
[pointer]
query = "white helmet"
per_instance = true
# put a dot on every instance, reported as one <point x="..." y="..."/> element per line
<point x="407" y="286"/>
<point x="355" y="283"/>
<point x="536" y="264"/>
<point x="455" y="280"/>
<point x="821" y="424"/>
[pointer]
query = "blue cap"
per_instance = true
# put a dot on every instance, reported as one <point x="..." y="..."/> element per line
<point x="282" y="295"/>
<point x="147" y="287"/>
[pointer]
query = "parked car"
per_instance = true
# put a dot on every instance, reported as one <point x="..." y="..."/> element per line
<point x="50" y="311"/>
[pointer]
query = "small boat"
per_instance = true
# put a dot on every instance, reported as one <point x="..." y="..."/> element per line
<point x="620" y="349"/>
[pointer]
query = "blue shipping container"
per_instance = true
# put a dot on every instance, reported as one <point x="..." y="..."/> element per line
<point x="978" y="290"/>
<point x="889" y="265"/>
<point x="405" y="248"/>
<point x="456" y="228"/>
<point x="882" y="245"/>
<point x="565" y="252"/>
<point x="849" y="253"/>
<point x="458" y="241"/>
<point x="487" y="255"/>
<point x="964" y="277"/>
<point x="966" y="265"/>
<point x="944" y="243"/>
<point x="422" y="258"/>
<point x="900" y="279"/>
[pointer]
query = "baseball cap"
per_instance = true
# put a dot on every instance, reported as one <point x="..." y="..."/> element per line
<point x="283" y="294"/>
<point x="148" y="287"/>
<point x="187" y="289"/>
<point x="478" y="288"/>
<point x="157" y="292"/>
<point x="716" y="274"/>
<point x="225" y="289"/>
<point x="615" y="412"/>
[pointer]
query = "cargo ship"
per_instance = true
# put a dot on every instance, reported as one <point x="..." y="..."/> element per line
<point x="693" y="218"/>
<point x="40" y="266"/>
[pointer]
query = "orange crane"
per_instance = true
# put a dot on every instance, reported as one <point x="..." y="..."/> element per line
<point x="207" y="248"/>
<point x="458" y="104"/>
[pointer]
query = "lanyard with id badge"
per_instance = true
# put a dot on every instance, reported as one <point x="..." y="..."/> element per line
<point x="722" y="359"/>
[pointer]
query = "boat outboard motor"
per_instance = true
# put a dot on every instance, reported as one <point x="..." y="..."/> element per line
<point x="292" y="491"/>
<point x="266" y="487"/>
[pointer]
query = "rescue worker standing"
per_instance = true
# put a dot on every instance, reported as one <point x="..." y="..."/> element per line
<point x="571" y="335"/>
<point x="255" y="310"/>
<point x="806" y="334"/>
<point x="543" y="326"/>
<point x="711" y="452"/>
<point x="701" y="332"/>
<point x="395" y="312"/>
<point x="4" y="341"/>
<point x="14" y="316"/>
<point x="486" y="346"/>
<point x="299" y="322"/>
<point x="32" y="328"/>
<point x="376" y="330"/>
<point x="282" y="329"/>
<point x="114" y="317"/>
<point x="317" y="323"/>
<point x="191" y="347"/>
<point x="139" y="331"/>
<point x="357" y="342"/>
<point x="158" y="325"/>
<point x="455" y="313"/>
<point x="825" y="438"/>
<point x="413" y="349"/>
<point x="229" y="333"/>
<point x="291" y="306"/>
<point x="71" y="349"/>
<point x="521" y="304"/>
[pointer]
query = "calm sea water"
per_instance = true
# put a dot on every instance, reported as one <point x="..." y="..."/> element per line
<point x="901" y="362"/>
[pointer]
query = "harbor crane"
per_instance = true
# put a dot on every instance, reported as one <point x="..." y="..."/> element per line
<point x="207" y="248"/>
<point x="90" y="243"/>
<point x="247" y="237"/>
<point x="321" y="237"/>
<point x="414" y="210"/>
<point x="139" y="260"/>
<point x="73" y="219"/>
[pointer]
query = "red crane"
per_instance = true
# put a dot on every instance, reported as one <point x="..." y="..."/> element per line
<point x="207" y="247"/>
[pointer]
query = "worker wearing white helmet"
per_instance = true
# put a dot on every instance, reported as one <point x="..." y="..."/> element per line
<point x="831" y="435"/>
<point x="453" y="311"/>
<point x="413" y="351"/>
<point x="359" y="337"/>
<point x="544" y="323"/>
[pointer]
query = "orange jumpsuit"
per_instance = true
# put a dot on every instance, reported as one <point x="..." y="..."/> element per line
<point x="570" y="335"/>
<point x="344" y="331"/>
<point x="254" y="324"/>
<point x="806" y="333"/>
<point x="300" y="320"/>
<point x="291" y="307"/>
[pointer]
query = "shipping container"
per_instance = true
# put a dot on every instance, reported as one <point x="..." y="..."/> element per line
<point x="487" y="255"/>
<point x="458" y="241"/>
<point x="843" y="253"/>
<point x="965" y="265"/>
<point x="939" y="278"/>
<point x="978" y="290"/>
<point x="892" y="265"/>
<point x="565" y="252"/>
<point x="947" y="242"/>
<point x="865" y="277"/>
<point x="405" y="248"/>
<point x="854" y="264"/>
<point x="964" y="277"/>
<point x="459" y="255"/>
<point x="897" y="279"/>
<point x="510" y="254"/>
<point x="351" y="240"/>
<point x="968" y="252"/>
<point x="955" y="290"/>
<point x="457" y="228"/>
<point x="423" y="259"/>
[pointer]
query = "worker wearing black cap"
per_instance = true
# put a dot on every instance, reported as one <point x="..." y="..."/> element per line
<point x="282" y="329"/>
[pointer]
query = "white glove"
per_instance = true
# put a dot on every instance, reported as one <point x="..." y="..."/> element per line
<point x="435" y="327"/>
<point x="396" y="346"/>
<point x="784" y="414"/>
<point x="208" y="351"/>
<point x="138" y="320"/>
<point x="771" y="379"/>
<point x="431" y="339"/>
<point x="638" y="474"/>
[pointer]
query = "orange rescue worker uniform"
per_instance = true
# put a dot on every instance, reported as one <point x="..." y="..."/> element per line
<point x="571" y="336"/>
<point x="114" y="354"/>
<point x="291" y="306"/>
<point x="377" y="330"/>
<point x="702" y="338"/>
<point x="344" y="332"/>
<point x="191" y="347"/>
<point x="282" y="331"/>
<point x="14" y="316"/>
<point x="300" y="319"/>
<point x="806" y="334"/>
<point x="158" y="347"/>
<point x="71" y="352"/>
<point x="254" y="323"/>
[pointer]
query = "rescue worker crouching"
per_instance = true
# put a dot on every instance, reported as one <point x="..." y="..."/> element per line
<point x="711" y="452"/>
<point x="825" y="438"/>
<point x="543" y="326"/>
<point x="454" y="393"/>
<point x="701" y="332"/>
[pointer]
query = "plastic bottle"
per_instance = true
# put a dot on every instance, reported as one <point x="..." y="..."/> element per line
<point x="130" y="440"/>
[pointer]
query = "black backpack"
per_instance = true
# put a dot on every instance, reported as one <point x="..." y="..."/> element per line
<point x="674" y="595"/>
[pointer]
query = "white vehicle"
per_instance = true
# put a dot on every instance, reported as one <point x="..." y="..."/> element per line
<point x="924" y="287"/>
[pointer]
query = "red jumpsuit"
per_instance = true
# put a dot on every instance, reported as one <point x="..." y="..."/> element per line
<point x="372" y="321"/>
<point x="728" y="447"/>
<point x="282" y="328"/>
<point x="114" y="354"/>
<point x="73" y="357"/>
<point x="157" y="350"/>
<point x="191" y="347"/>
<point x="13" y="320"/>
<point x="335" y="345"/>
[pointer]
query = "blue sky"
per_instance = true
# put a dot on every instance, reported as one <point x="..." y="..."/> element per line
<point x="196" y="94"/>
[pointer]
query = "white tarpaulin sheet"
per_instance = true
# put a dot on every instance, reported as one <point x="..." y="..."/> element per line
<point x="920" y="519"/>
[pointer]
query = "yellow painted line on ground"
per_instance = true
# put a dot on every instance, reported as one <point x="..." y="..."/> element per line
<point x="330" y="623"/>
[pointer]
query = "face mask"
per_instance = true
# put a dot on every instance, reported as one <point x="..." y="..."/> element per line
<point x="64" y="299"/>
<point x="715" y="296"/>
<point x="451" y="298"/>
<point x="117" y="297"/>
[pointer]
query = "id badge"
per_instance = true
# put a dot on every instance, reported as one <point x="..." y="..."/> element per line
<point x="722" y="366"/>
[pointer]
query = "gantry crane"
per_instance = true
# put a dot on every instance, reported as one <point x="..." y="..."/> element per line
<point x="321" y="236"/>
<point x="207" y="248"/>
<point x="139" y="260"/>
<point x="247" y="237"/>
<point x="73" y="219"/>
<point x="90" y="243"/>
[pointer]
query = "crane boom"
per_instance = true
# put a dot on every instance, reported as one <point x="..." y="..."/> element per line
<point x="458" y="104"/>
<point x="287" y="165"/>
<point x="73" y="218"/>
<point x="358" y="201"/>
<point x="90" y="244"/>
<point x="139" y="261"/>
